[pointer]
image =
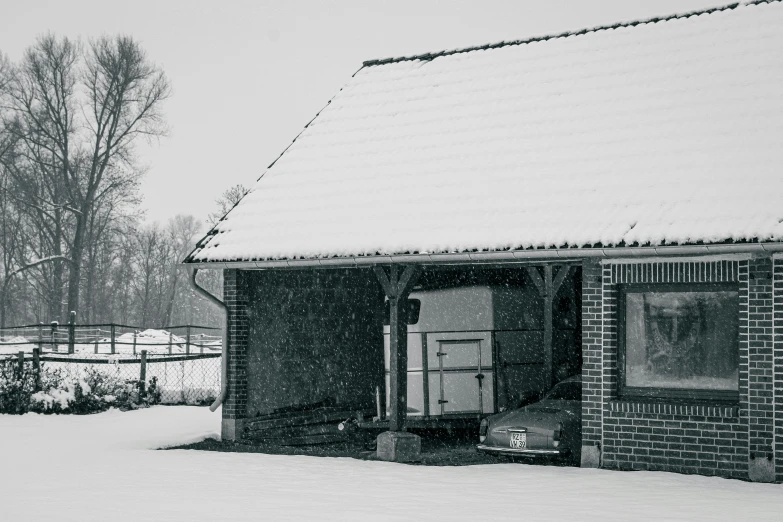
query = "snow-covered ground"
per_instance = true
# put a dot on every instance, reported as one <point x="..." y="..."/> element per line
<point x="104" y="467"/>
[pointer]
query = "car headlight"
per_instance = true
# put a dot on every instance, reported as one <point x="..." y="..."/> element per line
<point x="483" y="429"/>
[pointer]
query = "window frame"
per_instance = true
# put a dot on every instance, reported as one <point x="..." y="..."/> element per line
<point x="669" y="394"/>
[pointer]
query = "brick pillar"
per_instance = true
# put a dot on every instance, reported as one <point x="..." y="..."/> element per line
<point x="592" y="363"/>
<point x="760" y="371"/>
<point x="235" y="295"/>
<point x="778" y="368"/>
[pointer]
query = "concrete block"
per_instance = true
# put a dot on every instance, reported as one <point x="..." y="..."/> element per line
<point x="398" y="446"/>
<point x="591" y="456"/>
<point x="230" y="429"/>
<point x="761" y="469"/>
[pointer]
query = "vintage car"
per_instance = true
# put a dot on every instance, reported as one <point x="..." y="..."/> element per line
<point x="551" y="427"/>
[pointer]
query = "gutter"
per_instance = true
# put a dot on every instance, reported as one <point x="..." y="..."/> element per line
<point x="224" y="348"/>
<point x="509" y="256"/>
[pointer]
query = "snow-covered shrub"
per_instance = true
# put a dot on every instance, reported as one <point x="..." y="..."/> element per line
<point x="93" y="393"/>
<point x="17" y="389"/>
<point x="153" y="393"/>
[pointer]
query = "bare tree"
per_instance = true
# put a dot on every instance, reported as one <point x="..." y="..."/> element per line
<point x="182" y="231"/>
<point x="226" y="202"/>
<point x="79" y="112"/>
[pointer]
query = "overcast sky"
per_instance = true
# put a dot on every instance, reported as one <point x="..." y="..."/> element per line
<point x="247" y="76"/>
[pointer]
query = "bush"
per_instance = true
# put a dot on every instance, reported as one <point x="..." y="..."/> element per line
<point x="94" y="392"/>
<point x="15" y="388"/>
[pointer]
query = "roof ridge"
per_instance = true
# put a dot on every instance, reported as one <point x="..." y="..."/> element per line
<point x="432" y="56"/>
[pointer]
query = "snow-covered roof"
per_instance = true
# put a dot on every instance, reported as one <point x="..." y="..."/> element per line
<point x="665" y="131"/>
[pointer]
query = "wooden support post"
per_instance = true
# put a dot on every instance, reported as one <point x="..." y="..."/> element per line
<point x="113" y="344"/>
<point x="171" y="335"/>
<point x="547" y="288"/>
<point x="37" y="368"/>
<point x="135" y="333"/>
<point x="96" y="346"/>
<point x="143" y="374"/>
<point x="40" y="336"/>
<point x="187" y="341"/>
<point x="397" y="288"/>
<point x="72" y="332"/>
<point x="548" y="345"/>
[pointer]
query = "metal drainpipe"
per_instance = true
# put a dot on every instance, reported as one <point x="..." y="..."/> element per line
<point x="224" y="358"/>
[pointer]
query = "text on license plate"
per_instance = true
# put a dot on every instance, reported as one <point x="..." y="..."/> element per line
<point x="518" y="440"/>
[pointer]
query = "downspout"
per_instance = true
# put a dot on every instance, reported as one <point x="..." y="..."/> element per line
<point x="224" y="359"/>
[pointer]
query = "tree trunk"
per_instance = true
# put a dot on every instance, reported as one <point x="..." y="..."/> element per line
<point x="74" y="278"/>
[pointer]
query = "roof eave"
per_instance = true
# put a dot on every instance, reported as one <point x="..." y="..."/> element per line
<point x="504" y="257"/>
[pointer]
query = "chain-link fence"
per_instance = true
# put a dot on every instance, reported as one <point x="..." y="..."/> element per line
<point x="181" y="379"/>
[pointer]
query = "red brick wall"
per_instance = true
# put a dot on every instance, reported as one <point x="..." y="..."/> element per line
<point x="684" y="438"/>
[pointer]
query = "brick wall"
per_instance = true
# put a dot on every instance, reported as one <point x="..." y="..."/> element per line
<point x="591" y="353"/>
<point x="236" y="299"/>
<point x="759" y="358"/>
<point x="778" y="368"/>
<point x="686" y="437"/>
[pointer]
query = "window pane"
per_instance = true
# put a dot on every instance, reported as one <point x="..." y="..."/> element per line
<point x="682" y="340"/>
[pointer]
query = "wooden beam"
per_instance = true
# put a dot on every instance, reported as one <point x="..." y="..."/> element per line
<point x="548" y="345"/>
<point x="536" y="277"/>
<point x="547" y="288"/>
<point x="397" y="287"/>
<point x="560" y="277"/>
<point x="383" y="279"/>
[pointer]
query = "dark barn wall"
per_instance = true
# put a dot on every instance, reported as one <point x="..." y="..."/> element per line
<point x="313" y="335"/>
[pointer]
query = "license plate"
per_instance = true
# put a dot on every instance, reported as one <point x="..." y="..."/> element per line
<point x="518" y="440"/>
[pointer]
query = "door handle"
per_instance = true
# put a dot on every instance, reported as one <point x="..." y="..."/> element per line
<point x="480" y="376"/>
<point x="441" y="401"/>
<point x="441" y="354"/>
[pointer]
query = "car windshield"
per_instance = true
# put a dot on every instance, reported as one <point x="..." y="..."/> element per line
<point x="566" y="391"/>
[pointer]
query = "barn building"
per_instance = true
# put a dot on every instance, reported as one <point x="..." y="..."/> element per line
<point x="622" y="186"/>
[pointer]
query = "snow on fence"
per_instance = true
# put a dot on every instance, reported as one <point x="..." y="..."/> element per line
<point x="185" y="360"/>
<point x="109" y="338"/>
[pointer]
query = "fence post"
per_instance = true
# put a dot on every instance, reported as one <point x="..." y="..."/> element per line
<point x="134" y="341"/>
<point x="71" y="332"/>
<point x="170" y="337"/>
<point x="142" y="374"/>
<point x="96" y="345"/>
<point x="113" y="347"/>
<point x="37" y="368"/>
<point x="20" y="356"/>
<point x="54" y="325"/>
<point x="187" y="341"/>
<point x="40" y="336"/>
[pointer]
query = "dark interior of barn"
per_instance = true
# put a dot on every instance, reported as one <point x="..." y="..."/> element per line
<point x="478" y="342"/>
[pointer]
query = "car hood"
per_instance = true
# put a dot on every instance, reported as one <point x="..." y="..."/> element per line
<point x="541" y="413"/>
